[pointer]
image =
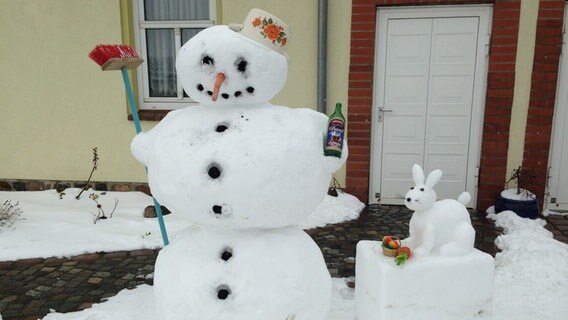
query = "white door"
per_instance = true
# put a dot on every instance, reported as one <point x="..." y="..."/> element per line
<point x="558" y="177"/>
<point x="429" y="94"/>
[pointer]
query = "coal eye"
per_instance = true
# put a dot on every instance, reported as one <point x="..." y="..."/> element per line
<point x="411" y="188"/>
<point x="241" y="65"/>
<point x="207" y="60"/>
<point x="421" y="189"/>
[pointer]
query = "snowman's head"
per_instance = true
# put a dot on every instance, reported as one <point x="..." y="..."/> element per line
<point x="221" y="66"/>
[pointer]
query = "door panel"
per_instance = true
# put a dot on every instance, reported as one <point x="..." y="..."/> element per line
<point x="428" y="84"/>
<point x="562" y="188"/>
<point x="406" y="94"/>
<point x="558" y="183"/>
<point x="449" y="107"/>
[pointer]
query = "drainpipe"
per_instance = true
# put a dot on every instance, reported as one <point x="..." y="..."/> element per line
<point x="322" y="56"/>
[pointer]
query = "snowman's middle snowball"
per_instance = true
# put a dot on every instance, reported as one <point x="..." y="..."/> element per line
<point x="267" y="171"/>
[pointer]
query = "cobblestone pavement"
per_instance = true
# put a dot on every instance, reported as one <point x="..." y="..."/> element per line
<point x="30" y="288"/>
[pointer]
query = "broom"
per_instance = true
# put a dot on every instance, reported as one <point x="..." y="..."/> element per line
<point x="123" y="57"/>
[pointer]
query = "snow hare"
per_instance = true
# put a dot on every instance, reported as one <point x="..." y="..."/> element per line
<point x="437" y="227"/>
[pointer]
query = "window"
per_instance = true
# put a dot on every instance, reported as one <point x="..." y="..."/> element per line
<point x="161" y="28"/>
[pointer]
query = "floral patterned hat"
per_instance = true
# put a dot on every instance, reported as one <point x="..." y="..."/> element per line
<point x="266" y="29"/>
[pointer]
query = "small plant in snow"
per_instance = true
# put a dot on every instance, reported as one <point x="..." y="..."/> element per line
<point x="9" y="214"/>
<point x="523" y="178"/>
<point x="100" y="211"/>
<point x="95" y="164"/>
<point x="335" y="188"/>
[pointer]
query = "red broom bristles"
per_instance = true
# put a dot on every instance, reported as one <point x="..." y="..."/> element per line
<point x="103" y="52"/>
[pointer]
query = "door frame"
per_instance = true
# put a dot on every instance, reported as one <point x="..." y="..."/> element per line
<point x="484" y="12"/>
<point x="559" y="122"/>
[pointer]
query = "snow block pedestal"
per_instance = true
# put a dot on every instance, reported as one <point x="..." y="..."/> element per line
<point x="432" y="287"/>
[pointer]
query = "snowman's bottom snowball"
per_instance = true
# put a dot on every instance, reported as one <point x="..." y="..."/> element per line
<point x="269" y="274"/>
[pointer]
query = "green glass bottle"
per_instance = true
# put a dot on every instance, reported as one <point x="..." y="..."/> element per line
<point x="335" y="133"/>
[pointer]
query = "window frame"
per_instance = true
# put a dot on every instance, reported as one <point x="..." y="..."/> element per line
<point x="140" y="25"/>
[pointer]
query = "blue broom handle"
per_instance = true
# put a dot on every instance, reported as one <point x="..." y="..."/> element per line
<point x="131" y="101"/>
<point x="138" y="127"/>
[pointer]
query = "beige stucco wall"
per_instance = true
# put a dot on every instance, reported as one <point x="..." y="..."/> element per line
<point x="339" y="46"/>
<point x="523" y="74"/>
<point x="56" y="104"/>
<point x="302" y="18"/>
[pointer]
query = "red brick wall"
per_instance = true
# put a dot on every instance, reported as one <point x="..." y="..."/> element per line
<point x="543" y="91"/>
<point x="499" y="93"/>
<point x="499" y="101"/>
<point x="363" y="27"/>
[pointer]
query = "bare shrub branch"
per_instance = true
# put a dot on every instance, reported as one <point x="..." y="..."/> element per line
<point x="9" y="214"/>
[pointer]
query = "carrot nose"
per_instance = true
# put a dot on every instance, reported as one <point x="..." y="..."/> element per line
<point x="218" y="80"/>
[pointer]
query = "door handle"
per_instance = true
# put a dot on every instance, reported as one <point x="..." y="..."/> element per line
<point x="380" y="115"/>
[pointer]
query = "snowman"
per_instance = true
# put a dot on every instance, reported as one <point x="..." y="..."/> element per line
<point x="245" y="173"/>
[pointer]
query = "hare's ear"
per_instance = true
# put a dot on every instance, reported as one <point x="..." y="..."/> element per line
<point x="417" y="174"/>
<point x="433" y="178"/>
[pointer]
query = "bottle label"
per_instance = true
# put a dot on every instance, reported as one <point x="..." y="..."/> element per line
<point x="335" y="135"/>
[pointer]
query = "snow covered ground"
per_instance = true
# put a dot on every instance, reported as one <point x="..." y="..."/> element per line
<point x="138" y="304"/>
<point x="531" y="280"/>
<point x="531" y="271"/>
<point x="54" y="227"/>
<point x="549" y="212"/>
